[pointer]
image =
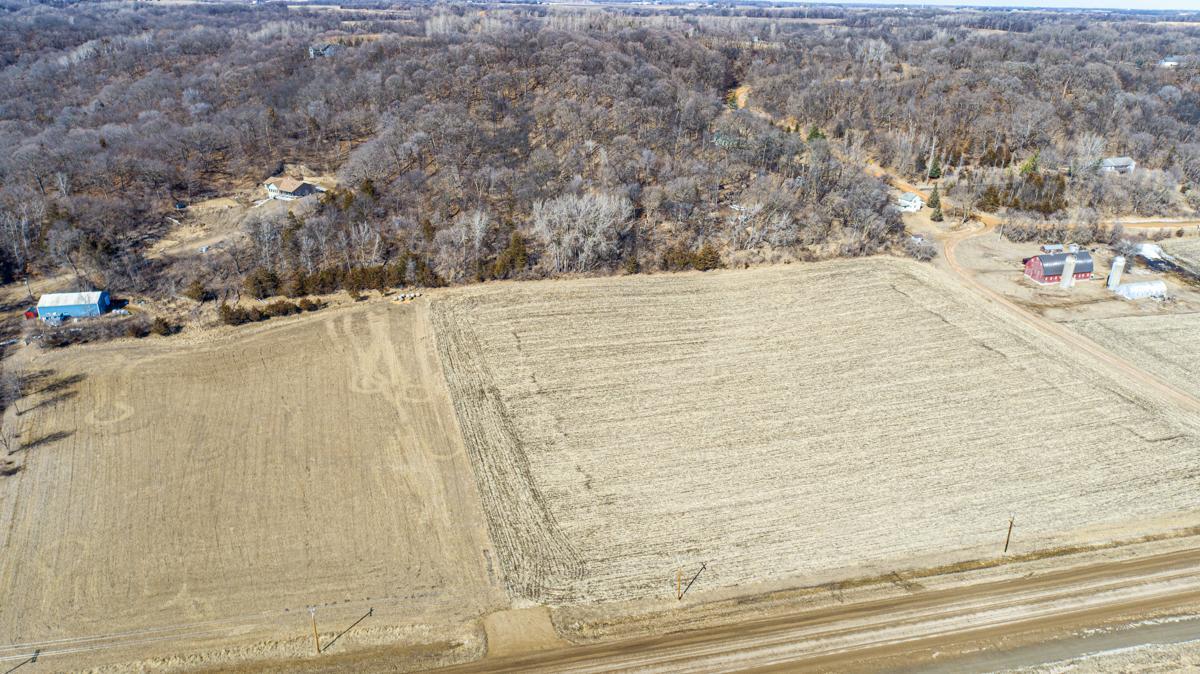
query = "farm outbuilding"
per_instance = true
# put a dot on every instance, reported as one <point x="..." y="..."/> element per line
<point x="287" y="189"/>
<point x="1142" y="290"/>
<point x="56" y="306"/>
<point x="1047" y="269"/>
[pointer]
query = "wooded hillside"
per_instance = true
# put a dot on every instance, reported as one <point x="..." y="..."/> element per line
<point x="476" y="142"/>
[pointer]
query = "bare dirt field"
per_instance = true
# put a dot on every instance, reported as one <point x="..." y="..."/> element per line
<point x="182" y="501"/>
<point x="174" y="497"/>
<point x="786" y="422"/>
<point x="1164" y="345"/>
<point x="1185" y="251"/>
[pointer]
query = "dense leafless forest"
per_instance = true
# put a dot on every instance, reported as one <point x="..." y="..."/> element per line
<point x="472" y="142"/>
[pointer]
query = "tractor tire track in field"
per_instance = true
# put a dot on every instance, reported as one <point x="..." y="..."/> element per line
<point x="536" y="557"/>
<point x="784" y="424"/>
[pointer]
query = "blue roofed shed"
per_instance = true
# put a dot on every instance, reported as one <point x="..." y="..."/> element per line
<point x="72" y="305"/>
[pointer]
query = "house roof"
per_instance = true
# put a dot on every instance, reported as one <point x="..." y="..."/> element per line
<point x="1052" y="265"/>
<point x="1117" y="162"/>
<point x="909" y="197"/>
<point x="69" y="299"/>
<point x="286" y="184"/>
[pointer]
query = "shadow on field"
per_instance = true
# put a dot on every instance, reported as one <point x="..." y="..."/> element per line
<point x="49" y="402"/>
<point x="45" y="440"/>
<point x="60" y="384"/>
<point x="16" y="389"/>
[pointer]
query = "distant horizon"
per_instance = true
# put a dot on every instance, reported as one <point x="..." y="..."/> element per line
<point x="1147" y="5"/>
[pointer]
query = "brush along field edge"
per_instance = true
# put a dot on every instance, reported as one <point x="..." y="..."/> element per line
<point x="535" y="553"/>
<point x="785" y="422"/>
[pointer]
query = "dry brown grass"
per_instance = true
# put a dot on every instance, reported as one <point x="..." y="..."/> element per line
<point x="304" y="462"/>
<point x="1165" y="345"/>
<point x="784" y="422"/>
<point x="795" y="426"/>
<point x="1185" y="251"/>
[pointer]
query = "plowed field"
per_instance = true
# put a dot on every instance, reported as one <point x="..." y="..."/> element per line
<point x="784" y="422"/>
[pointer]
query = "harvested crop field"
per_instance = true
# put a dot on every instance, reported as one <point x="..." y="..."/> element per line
<point x="786" y="423"/>
<point x="1163" y="345"/>
<point x="1185" y="251"/>
<point x="214" y="491"/>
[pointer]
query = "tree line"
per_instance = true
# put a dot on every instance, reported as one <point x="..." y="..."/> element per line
<point x="529" y="141"/>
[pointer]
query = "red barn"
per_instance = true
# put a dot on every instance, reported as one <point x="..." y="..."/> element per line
<point x="1046" y="269"/>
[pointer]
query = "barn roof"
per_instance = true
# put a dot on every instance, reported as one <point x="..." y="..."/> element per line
<point x="69" y="299"/>
<point x="1117" y="162"/>
<point x="1052" y="265"/>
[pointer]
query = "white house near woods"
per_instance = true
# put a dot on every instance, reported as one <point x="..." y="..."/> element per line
<point x="1169" y="62"/>
<point x="287" y="189"/>
<point x="323" y="49"/>
<point x="910" y="203"/>
<point x="1118" y="165"/>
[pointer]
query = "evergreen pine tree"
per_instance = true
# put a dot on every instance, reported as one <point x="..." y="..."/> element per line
<point x="935" y="170"/>
<point x="935" y="199"/>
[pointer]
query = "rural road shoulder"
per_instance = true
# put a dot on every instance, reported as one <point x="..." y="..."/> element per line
<point x="898" y="631"/>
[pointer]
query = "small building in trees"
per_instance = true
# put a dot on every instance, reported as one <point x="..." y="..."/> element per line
<point x="287" y="189"/>
<point x="57" y="306"/>
<point x="1118" y="165"/>
<point x="1169" y="62"/>
<point x="910" y="203"/>
<point x="1047" y="269"/>
<point x="323" y="49"/>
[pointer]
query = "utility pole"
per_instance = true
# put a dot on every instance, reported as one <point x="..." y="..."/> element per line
<point x="693" y="580"/>
<point x="312" y="611"/>
<point x="678" y="584"/>
<point x="1009" y="536"/>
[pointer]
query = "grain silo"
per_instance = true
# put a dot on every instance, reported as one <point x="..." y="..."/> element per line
<point x="1068" y="272"/>
<point x="1114" y="276"/>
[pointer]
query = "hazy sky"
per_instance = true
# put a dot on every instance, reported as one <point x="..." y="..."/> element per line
<point x="1077" y="4"/>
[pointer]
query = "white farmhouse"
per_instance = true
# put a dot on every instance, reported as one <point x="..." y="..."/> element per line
<point x="1118" y="165"/>
<point x="910" y="203"/>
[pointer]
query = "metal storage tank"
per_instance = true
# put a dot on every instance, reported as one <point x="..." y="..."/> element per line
<point x="1114" y="276"/>
<point x="1068" y="272"/>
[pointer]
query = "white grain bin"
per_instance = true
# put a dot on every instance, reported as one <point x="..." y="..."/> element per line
<point x="1114" y="276"/>
<point x="1068" y="272"/>
<point x="1142" y="290"/>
